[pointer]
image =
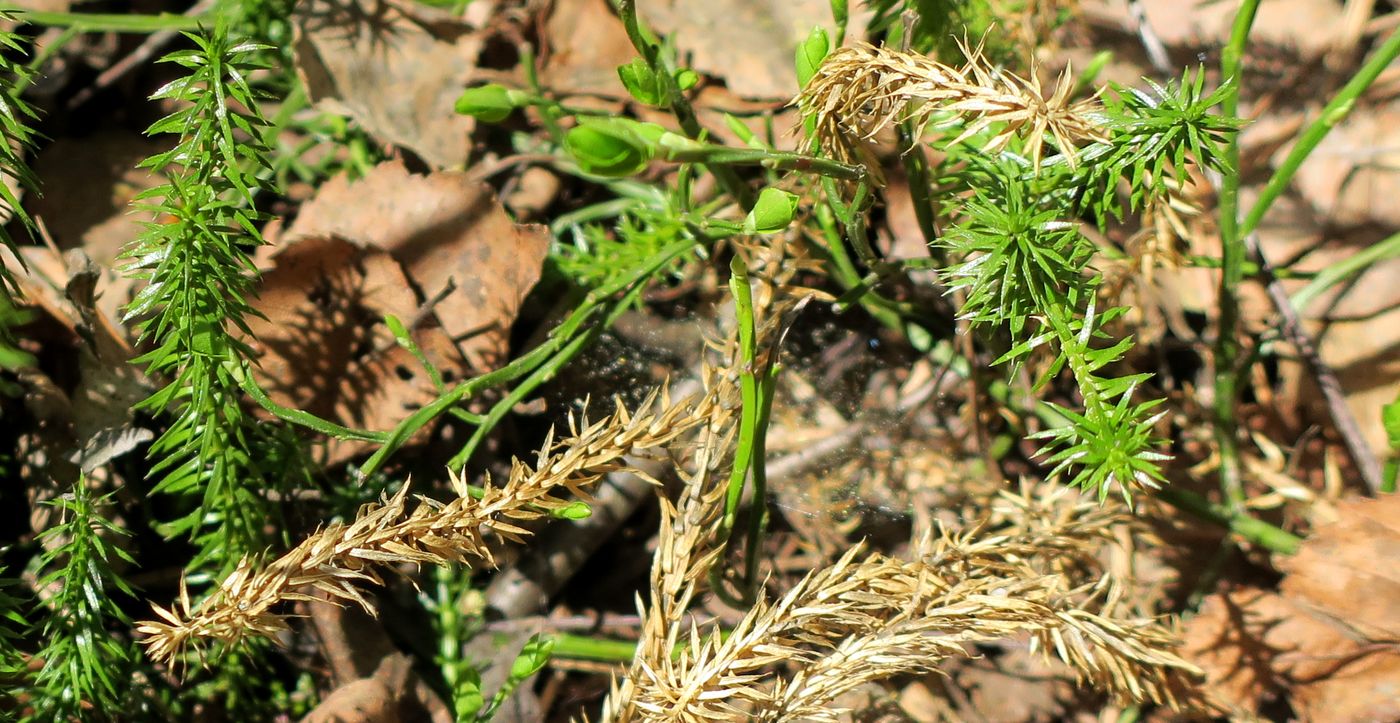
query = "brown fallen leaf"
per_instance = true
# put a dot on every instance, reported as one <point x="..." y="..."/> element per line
<point x="397" y="69"/>
<point x="95" y="179"/>
<point x="1309" y="25"/>
<point x="1350" y="569"/>
<point x="1016" y="686"/>
<point x="361" y="701"/>
<point x="454" y="240"/>
<point x="1328" y="642"/>
<point x="322" y="345"/>
<point x="383" y="697"/>
<point x="585" y="43"/>
<point x="373" y="680"/>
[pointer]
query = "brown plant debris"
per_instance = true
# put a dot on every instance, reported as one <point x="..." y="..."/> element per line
<point x="322" y="345"/>
<point x="394" y="67"/>
<point x="860" y="90"/>
<point x="341" y="556"/>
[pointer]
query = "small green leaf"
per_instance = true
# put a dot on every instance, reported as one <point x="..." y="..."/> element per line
<point x="772" y="212"/>
<point x="573" y="511"/>
<point x="810" y="55"/>
<point x="491" y="103"/>
<point x="1390" y="419"/>
<point x="612" y="147"/>
<point x="687" y="78"/>
<point x="533" y="656"/>
<point x="467" y="697"/>
<point x="641" y="82"/>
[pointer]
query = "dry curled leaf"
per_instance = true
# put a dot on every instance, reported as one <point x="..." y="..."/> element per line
<point x="585" y="43"/>
<point x="748" y="44"/>
<point x="322" y="345"/>
<point x="1350" y="570"/>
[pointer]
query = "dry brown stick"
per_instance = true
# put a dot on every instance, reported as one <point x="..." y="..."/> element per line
<point x="1355" y="17"/>
<point x="1327" y="382"/>
<point x="1156" y="49"/>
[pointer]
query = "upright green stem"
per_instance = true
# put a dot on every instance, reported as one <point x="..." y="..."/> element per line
<point x="541" y="375"/>
<point x="680" y="107"/>
<point x="1256" y="531"/>
<point x="756" y="385"/>
<point x="716" y="155"/>
<point x="1227" y="347"/>
<point x="916" y="172"/>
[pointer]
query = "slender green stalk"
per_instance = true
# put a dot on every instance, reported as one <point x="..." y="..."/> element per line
<point x="757" y="377"/>
<point x="541" y="375"/>
<point x="773" y="159"/>
<point x="1227" y="347"/>
<point x="1345" y="269"/>
<point x="115" y="22"/>
<point x="300" y="417"/>
<point x="916" y="173"/>
<point x="1256" y="531"/>
<point x="1333" y="113"/>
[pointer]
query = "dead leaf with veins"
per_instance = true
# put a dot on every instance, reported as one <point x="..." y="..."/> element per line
<point x="1328" y="642"/>
<point x="454" y="240"/>
<point x="394" y="69"/>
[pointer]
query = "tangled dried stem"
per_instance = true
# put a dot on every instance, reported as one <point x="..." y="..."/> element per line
<point x="861" y="89"/>
<point x="341" y="556"/>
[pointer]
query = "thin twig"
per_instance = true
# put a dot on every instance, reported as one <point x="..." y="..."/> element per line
<point x="1361" y="453"/>
<point x="1156" y="50"/>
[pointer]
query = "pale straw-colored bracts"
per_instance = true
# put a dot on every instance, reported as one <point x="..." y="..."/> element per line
<point x="343" y="556"/>
<point x="860" y="90"/>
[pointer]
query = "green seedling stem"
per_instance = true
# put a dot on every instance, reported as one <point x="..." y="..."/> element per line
<point x="711" y="155"/>
<point x="1227" y="348"/>
<point x="1254" y="530"/>
<point x="1333" y="113"/>
<point x="756" y="385"/>
<point x="541" y="375"/>
<point x="1345" y="269"/>
<point x="916" y="173"/>
<point x="114" y="22"/>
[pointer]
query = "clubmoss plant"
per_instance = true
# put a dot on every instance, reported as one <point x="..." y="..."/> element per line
<point x="86" y="664"/>
<point x="12" y="625"/>
<point x="16" y="139"/>
<point x="1028" y="166"/>
<point x="195" y="258"/>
